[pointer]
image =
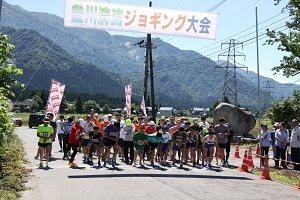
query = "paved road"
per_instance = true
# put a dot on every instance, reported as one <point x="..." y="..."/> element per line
<point x="126" y="182"/>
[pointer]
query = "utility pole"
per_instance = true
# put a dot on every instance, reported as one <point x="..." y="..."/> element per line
<point x="149" y="47"/>
<point x="230" y="81"/>
<point x="149" y="64"/>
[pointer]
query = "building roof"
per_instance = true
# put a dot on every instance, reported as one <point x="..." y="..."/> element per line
<point x="166" y="108"/>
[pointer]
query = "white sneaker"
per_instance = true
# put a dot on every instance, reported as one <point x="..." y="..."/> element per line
<point x="133" y="164"/>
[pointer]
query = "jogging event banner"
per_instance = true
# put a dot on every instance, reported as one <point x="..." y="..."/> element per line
<point x="114" y="17"/>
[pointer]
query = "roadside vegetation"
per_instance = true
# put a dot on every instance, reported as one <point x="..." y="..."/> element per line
<point x="13" y="174"/>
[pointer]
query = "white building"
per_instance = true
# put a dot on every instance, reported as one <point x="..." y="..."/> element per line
<point x="165" y="111"/>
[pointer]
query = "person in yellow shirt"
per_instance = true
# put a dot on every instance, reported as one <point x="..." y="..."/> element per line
<point x="45" y="133"/>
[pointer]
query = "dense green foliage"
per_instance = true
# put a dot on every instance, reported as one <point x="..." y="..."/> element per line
<point x="285" y="111"/>
<point x="79" y="105"/>
<point x="12" y="172"/>
<point x="288" y="42"/>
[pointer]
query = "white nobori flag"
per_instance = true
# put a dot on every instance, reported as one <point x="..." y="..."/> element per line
<point x="128" y="89"/>
<point x="55" y="97"/>
<point x="143" y="107"/>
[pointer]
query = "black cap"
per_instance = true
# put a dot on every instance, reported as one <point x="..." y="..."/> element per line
<point x="265" y="125"/>
<point x="221" y="120"/>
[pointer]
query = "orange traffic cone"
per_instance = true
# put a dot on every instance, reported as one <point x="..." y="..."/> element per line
<point x="298" y="188"/>
<point x="237" y="151"/>
<point x="257" y="151"/>
<point x="244" y="167"/>
<point x="250" y="159"/>
<point x="266" y="173"/>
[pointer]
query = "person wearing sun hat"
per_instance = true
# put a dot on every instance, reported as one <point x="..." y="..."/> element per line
<point x="272" y="132"/>
<point x="265" y="138"/>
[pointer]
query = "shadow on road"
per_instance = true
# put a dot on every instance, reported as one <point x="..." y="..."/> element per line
<point x="158" y="176"/>
<point x="115" y="169"/>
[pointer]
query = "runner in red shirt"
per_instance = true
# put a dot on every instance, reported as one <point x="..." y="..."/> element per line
<point x="76" y="131"/>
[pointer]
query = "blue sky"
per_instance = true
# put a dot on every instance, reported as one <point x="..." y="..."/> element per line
<point x="235" y="16"/>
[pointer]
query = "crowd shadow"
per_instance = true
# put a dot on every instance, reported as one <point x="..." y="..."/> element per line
<point x="146" y="175"/>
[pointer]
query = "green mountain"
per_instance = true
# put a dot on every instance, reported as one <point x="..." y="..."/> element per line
<point x="30" y="50"/>
<point x="183" y="79"/>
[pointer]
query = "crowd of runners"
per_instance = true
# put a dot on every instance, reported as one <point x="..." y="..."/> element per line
<point x="136" y="142"/>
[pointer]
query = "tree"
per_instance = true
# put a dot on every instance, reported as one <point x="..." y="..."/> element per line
<point x="290" y="64"/>
<point x="44" y="97"/>
<point x="102" y="102"/>
<point x="89" y="104"/>
<point x="7" y="70"/>
<point x="37" y="104"/>
<point x="78" y="105"/>
<point x="285" y="111"/>
<point x="63" y="105"/>
<point x="106" y="109"/>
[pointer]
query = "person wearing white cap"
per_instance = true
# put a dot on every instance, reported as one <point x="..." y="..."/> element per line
<point x="109" y="117"/>
<point x="149" y="130"/>
<point x="272" y="132"/>
<point x="105" y="123"/>
<point x="203" y="122"/>
<point x="45" y="132"/>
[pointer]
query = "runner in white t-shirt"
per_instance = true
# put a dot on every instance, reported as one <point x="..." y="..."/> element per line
<point x="166" y="145"/>
<point x="87" y="126"/>
<point x="60" y="133"/>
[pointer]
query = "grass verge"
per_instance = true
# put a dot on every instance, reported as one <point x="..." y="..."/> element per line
<point x="286" y="176"/>
<point x="13" y="174"/>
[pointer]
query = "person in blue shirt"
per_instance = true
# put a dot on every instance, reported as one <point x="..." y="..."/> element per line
<point x="111" y="137"/>
<point x="66" y="128"/>
<point x="265" y="137"/>
<point x="281" y="140"/>
<point x="272" y="132"/>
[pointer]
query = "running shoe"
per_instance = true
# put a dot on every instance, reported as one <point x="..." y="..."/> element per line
<point x="181" y="165"/>
<point x="47" y="165"/>
<point x="113" y="164"/>
<point x="72" y="164"/>
<point x="104" y="165"/>
<point x="60" y="150"/>
<point x="133" y="164"/>
<point x="209" y="166"/>
<point x="152" y="164"/>
<point x="36" y="157"/>
<point x="99" y="164"/>
<point x="40" y="165"/>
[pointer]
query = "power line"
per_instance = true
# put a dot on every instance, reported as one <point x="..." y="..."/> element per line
<point x="209" y="10"/>
<point x="39" y="64"/>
